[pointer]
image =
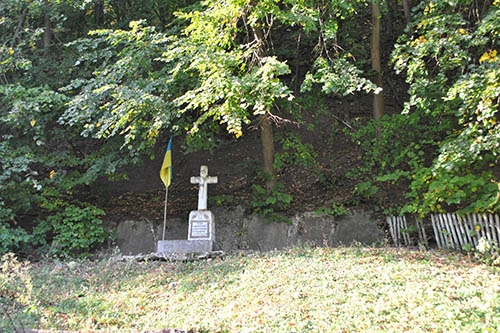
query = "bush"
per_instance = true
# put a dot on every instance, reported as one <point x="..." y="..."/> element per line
<point x="74" y="231"/>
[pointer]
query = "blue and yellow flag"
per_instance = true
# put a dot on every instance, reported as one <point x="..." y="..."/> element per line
<point x="166" y="167"/>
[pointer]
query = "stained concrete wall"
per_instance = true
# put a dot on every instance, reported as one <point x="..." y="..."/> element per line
<point x="234" y="230"/>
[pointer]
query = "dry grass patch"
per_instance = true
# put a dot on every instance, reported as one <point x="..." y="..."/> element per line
<point x="301" y="289"/>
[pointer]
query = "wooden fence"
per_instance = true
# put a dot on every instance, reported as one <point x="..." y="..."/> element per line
<point x="405" y="233"/>
<point x="454" y="231"/>
<point x="450" y="230"/>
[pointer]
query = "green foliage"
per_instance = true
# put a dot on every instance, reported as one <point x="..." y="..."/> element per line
<point x="73" y="231"/>
<point x="366" y="190"/>
<point x="451" y="65"/>
<point x="337" y="76"/>
<point x="43" y="164"/>
<point x="271" y="205"/>
<point x="230" y="88"/>
<point x="128" y="94"/>
<point x="397" y="150"/>
<point x="295" y="152"/>
<point x="226" y="49"/>
<point x="12" y="237"/>
<point x="402" y="144"/>
<point x="16" y="292"/>
<point x="68" y="106"/>
<point x="444" y="148"/>
<point x="336" y="210"/>
<point x="221" y="200"/>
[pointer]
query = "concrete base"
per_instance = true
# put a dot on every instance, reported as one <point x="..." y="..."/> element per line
<point x="184" y="246"/>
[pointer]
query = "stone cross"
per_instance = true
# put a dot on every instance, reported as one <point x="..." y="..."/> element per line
<point x="203" y="180"/>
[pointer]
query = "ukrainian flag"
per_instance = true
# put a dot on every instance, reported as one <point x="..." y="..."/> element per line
<point x="166" y="167"/>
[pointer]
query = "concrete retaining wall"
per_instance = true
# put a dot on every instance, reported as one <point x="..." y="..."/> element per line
<point x="235" y="230"/>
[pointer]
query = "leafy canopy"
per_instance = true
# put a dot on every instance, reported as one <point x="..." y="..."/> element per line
<point x="451" y="64"/>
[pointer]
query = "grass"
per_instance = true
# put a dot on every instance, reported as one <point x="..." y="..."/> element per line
<point x="301" y="289"/>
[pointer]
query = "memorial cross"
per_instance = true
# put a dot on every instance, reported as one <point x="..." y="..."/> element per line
<point x="203" y="180"/>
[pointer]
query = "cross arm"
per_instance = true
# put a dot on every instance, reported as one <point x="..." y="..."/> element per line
<point x="212" y="180"/>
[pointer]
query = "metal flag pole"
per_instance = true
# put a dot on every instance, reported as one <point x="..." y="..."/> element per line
<point x="165" y="213"/>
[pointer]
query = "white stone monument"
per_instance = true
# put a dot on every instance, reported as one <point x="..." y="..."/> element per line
<point x="201" y="232"/>
<point x="201" y="221"/>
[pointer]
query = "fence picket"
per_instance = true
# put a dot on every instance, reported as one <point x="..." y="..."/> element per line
<point x="444" y="231"/>
<point x="402" y="231"/>
<point x="422" y="237"/>
<point x="398" y="228"/>
<point x="437" y="234"/>
<point x="451" y="225"/>
<point x="398" y="232"/>
<point x="460" y="230"/>
<point x="470" y="224"/>
<point x="455" y="230"/>
<point x="486" y="223"/>
<point x="447" y="234"/>
<point x="400" y="235"/>
<point x="491" y="225"/>
<point x="483" y="227"/>
<point x="478" y="232"/>
<point x="406" y="234"/>
<point x="388" y="219"/>
<point x="497" y="227"/>
<point x="465" y="224"/>
<point x="408" y="241"/>
<point x="450" y="230"/>
<point x="456" y="227"/>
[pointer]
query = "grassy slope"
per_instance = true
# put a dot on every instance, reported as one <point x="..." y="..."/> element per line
<point x="300" y="289"/>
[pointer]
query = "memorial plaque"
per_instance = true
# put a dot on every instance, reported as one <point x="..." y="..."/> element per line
<point x="201" y="225"/>
<point x="200" y="229"/>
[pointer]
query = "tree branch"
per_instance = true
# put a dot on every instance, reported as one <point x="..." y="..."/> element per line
<point x="21" y="22"/>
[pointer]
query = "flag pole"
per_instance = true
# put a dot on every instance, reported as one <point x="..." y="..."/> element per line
<point x="165" y="213"/>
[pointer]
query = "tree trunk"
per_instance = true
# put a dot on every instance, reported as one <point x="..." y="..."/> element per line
<point x="267" y="140"/>
<point x="48" y="31"/>
<point x="99" y="13"/>
<point x="389" y="18"/>
<point x="266" y="125"/>
<point x="378" y="99"/>
<point x="406" y="8"/>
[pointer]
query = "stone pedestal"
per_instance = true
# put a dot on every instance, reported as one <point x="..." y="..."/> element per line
<point x="201" y="235"/>
<point x="184" y="246"/>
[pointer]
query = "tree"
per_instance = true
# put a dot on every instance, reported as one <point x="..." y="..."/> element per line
<point x="406" y="10"/>
<point x="47" y="168"/>
<point x="378" y="97"/>
<point x="222" y="67"/>
<point x="451" y="65"/>
<point x="47" y="33"/>
<point x="228" y="48"/>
